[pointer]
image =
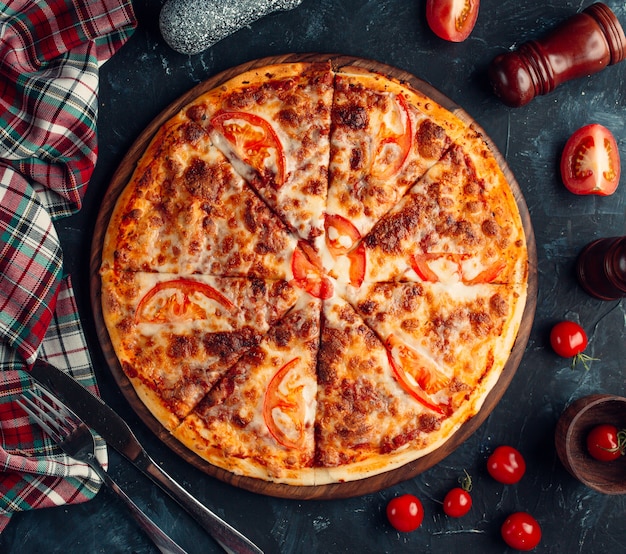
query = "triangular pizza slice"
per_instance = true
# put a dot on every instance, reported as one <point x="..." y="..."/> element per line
<point x="273" y="124"/>
<point x="186" y="211"/>
<point x="384" y="137"/>
<point x="259" y="418"/>
<point x="459" y="224"/>
<point x="367" y="420"/>
<point x="175" y="336"/>
<point x="448" y="345"/>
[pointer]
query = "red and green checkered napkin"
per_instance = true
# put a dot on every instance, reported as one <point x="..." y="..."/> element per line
<point x="50" y="52"/>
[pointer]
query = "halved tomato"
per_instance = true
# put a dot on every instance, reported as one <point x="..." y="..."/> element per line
<point x="415" y="373"/>
<point x="308" y="272"/>
<point x="590" y="163"/>
<point x="284" y="407"/>
<point x="452" y="20"/>
<point x="255" y="141"/>
<point x="178" y="300"/>
<point x="394" y="142"/>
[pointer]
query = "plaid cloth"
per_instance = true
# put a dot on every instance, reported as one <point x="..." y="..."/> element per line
<point x="50" y="52"/>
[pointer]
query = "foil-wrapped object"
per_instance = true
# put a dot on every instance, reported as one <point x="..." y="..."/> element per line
<point x="191" y="26"/>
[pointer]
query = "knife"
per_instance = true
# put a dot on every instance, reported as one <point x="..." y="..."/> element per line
<point x="114" y="430"/>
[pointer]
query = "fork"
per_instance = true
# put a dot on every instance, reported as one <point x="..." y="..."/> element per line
<point x="73" y="436"/>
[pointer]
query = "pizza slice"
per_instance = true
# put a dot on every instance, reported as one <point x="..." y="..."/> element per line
<point x="447" y="344"/>
<point x="175" y="336"/>
<point x="186" y="211"/>
<point x="368" y="421"/>
<point x="258" y="419"/>
<point x="384" y="137"/>
<point x="459" y="224"/>
<point x="273" y="124"/>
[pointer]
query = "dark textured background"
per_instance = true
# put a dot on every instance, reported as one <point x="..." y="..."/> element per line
<point x="145" y="76"/>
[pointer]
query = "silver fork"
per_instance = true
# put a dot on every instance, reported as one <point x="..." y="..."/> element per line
<point x="75" y="439"/>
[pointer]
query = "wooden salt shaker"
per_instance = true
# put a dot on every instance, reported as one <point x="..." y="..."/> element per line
<point x="584" y="44"/>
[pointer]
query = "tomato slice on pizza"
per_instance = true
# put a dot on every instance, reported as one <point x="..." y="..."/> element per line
<point x="255" y="142"/>
<point x="284" y="406"/>
<point x="308" y="272"/>
<point x="395" y="139"/>
<point x="178" y="300"/>
<point x="417" y="374"/>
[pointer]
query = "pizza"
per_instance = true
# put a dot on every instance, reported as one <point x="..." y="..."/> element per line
<point x="314" y="275"/>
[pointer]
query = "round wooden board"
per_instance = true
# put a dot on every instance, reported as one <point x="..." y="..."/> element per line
<point x="338" y="490"/>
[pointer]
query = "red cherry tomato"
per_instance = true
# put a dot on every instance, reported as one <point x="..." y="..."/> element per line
<point x="452" y="20"/>
<point x="590" y="163"/>
<point x="457" y="502"/>
<point x="521" y="531"/>
<point x="506" y="465"/>
<point x="568" y="339"/>
<point x="405" y="513"/>
<point x="606" y="443"/>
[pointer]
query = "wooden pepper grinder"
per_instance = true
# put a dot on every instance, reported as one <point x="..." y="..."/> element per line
<point x="601" y="268"/>
<point x="584" y="44"/>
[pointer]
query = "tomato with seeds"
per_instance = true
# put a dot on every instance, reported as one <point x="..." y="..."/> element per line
<point x="605" y="442"/>
<point x="506" y="465"/>
<point x="590" y="162"/>
<point x="405" y="513"/>
<point x="521" y="531"/>
<point x="452" y="20"/>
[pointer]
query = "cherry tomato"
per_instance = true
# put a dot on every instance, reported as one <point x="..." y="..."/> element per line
<point x="568" y="339"/>
<point x="590" y="163"/>
<point x="606" y="443"/>
<point x="521" y="531"/>
<point x="506" y="465"/>
<point x="457" y="502"/>
<point x="405" y="513"/>
<point x="452" y="20"/>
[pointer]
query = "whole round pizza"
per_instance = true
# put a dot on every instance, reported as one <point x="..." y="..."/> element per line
<point x="314" y="274"/>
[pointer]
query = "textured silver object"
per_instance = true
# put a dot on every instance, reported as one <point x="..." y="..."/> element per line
<point x="191" y="26"/>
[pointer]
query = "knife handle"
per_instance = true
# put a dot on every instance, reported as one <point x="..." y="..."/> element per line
<point x="231" y="540"/>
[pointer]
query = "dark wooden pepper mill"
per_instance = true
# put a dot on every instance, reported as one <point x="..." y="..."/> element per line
<point x="584" y="44"/>
<point x="601" y="268"/>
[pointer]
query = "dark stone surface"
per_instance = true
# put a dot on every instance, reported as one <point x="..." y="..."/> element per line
<point x="145" y="76"/>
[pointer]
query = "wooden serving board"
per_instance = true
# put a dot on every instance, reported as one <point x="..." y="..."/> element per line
<point x="338" y="490"/>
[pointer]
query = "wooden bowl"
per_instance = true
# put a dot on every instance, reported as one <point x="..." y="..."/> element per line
<point x="571" y="432"/>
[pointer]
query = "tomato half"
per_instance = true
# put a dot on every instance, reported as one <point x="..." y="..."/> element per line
<point x="568" y="339"/>
<point x="606" y="442"/>
<point x="590" y="163"/>
<point x="506" y="465"/>
<point x="452" y="20"/>
<point x="178" y="300"/>
<point x="457" y="502"/>
<point x="521" y="531"/>
<point x="255" y="141"/>
<point x="308" y="272"/>
<point x="405" y="513"/>
<point x="416" y="374"/>
<point x="284" y="408"/>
